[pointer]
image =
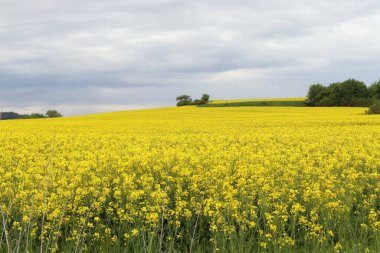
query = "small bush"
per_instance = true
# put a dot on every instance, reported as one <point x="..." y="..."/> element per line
<point x="374" y="108"/>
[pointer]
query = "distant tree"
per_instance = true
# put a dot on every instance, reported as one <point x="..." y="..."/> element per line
<point x="374" y="90"/>
<point x="9" y="115"/>
<point x="183" y="97"/>
<point x="348" y="92"/>
<point x="33" y="116"/>
<point x="183" y="100"/>
<point x="24" y="116"/>
<point x="13" y="115"/>
<point x="186" y="100"/>
<point x="205" y="97"/>
<point x="53" y="114"/>
<point x="315" y="94"/>
<point x="38" y="116"/>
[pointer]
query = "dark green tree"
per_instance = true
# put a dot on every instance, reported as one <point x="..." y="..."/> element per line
<point x="183" y="100"/>
<point x="349" y="92"/>
<point x="205" y="97"/>
<point x="53" y="114"/>
<point x="374" y="90"/>
<point x="183" y="97"/>
<point x="315" y="94"/>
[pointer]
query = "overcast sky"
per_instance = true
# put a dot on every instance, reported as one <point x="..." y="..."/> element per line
<point x="94" y="55"/>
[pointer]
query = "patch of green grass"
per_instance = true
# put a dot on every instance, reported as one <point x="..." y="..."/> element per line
<point x="256" y="103"/>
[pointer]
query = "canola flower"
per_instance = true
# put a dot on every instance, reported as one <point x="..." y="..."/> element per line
<point x="244" y="179"/>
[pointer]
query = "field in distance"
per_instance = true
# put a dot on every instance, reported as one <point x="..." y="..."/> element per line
<point x="297" y="102"/>
<point x="189" y="179"/>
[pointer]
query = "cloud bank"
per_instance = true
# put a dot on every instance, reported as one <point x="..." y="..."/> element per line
<point x="94" y="56"/>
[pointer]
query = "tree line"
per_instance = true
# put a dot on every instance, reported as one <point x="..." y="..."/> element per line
<point x="14" y="115"/>
<point x="347" y="93"/>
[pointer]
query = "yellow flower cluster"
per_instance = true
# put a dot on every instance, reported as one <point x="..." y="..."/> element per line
<point x="186" y="179"/>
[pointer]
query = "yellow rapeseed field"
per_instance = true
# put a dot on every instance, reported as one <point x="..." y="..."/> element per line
<point x="237" y="179"/>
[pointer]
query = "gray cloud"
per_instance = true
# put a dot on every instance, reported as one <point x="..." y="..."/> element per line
<point x="92" y="56"/>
